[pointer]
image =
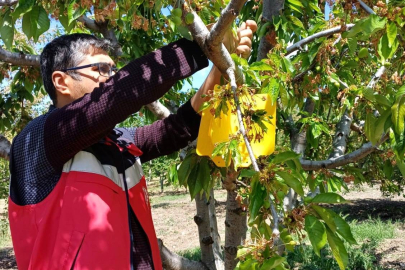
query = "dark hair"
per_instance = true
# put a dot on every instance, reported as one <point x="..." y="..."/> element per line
<point x="65" y="52"/>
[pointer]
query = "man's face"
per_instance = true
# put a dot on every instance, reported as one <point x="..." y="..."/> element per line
<point x="90" y="76"/>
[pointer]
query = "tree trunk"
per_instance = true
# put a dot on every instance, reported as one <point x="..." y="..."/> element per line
<point x="235" y="223"/>
<point x="341" y="136"/>
<point x="202" y="219"/>
<point x="4" y="147"/>
<point x="270" y="8"/>
<point x="161" y="184"/>
<point x="216" y="246"/>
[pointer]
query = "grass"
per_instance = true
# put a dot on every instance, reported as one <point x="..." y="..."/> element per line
<point x="193" y="254"/>
<point x="368" y="233"/>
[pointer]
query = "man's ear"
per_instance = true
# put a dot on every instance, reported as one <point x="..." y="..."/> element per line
<point x="61" y="82"/>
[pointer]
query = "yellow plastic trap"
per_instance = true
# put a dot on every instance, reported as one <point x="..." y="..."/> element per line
<point x="216" y="130"/>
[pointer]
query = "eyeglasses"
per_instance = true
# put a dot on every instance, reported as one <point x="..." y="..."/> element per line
<point x="104" y="69"/>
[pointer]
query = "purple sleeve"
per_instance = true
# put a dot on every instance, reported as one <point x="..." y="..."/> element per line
<point x="86" y="120"/>
<point x="166" y="136"/>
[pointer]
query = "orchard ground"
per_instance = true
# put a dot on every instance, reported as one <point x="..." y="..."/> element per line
<point x="173" y="213"/>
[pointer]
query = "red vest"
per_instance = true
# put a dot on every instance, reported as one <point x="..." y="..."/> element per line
<point x="83" y="223"/>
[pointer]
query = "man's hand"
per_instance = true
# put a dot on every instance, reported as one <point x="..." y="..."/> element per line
<point x="243" y="48"/>
<point x="243" y="41"/>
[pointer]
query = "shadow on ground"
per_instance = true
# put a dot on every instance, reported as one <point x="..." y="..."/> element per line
<point x="364" y="209"/>
<point x="7" y="260"/>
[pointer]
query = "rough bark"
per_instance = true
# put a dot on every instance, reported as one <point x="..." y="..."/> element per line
<point x="4" y="148"/>
<point x="108" y="33"/>
<point x="271" y="8"/>
<point x="208" y="40"/>
<point x="216" y="246"/>
<point x="354" y="156"/>
<point x="172" y="261"/>
<point x="19" y="59"/>
<point x="341" y="137"/>
<point x="202" y="219"/>
<point x="158" y="109"/>
<point x="328" y="32"/>
<point x="365" y="7"/>
<point x="235" y="222"/>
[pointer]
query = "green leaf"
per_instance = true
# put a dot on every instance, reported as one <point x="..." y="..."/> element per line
<point x="344" y="230"/>
<point x="295" y="21"/>
<point x="291" y="181"/>
<point x="338" y="249"/>
<point x="7" y="30"/>
<point x="23" y="6"/>
<point x="272" y="88"/>
<point x="242" y="252"/>
<point x="204" y="175"/>
<point x="370" y="128"/>
<point x="398" y="115"/>
<point x="256" y="198"/>
<point x="194" y="185"/>
<point x="401" y="167"/>
<point x="35" y="23"/>
<point x="273" y="262"/>
<point x="380" y="125"/>
<point x="247" y="173"/>
<point x="296" y="3"/>
<point x="384" y="50"/>
<point x="249" y="264"/>
<point x="388" y="170"/>
<point x="368" y="93"/>
<point x="284" y="156"/>
<point x="183" y="30"/>
<point x="284" y="95"/>
<point x="382" y="100"/>
<point x="316" y="232"/>
<point x="391" y="33"/>
<point x="219" y="150"/>
<point x="185" y="169"/>
<point x="327" y="216"/>
<point x="366" y="27"/>
<point x="73" y="12"/>
<point x="328" y="197"/>
<point x="352" y="42"/>
<point x="260" y="66"/>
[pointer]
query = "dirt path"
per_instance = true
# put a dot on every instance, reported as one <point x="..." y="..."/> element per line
<point x="173" y="214"/>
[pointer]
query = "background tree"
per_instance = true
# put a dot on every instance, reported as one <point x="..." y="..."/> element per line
<point x="328" y="78"/>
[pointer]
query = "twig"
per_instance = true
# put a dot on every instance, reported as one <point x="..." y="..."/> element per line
<point x="365" y="7"/>
<point x="242" y="129"/>
<point x="325" y="33"/>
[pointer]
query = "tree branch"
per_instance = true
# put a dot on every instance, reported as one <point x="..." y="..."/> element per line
<point x="5" y="146"/>
<point x="172" y="261"/>
<point x="271" y="8"/>
<point x="365" y="7"/>
<point x="242" y="129"/>
<point x="158" y="109"/>
<point x="354" y="156"/>
<point x="376" y="77"/>
<point x="219" y="55"/>
<point x="8" y="2"/>
<point x="202" y="220"/>
<point x="228" y="15"/>
<point x="19" y="59"/>
<point x="341" y="137"/>
<point x="325" y="33"/>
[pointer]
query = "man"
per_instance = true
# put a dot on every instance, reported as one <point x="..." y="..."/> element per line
<point x="78" y="198"/>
